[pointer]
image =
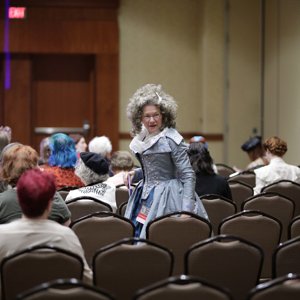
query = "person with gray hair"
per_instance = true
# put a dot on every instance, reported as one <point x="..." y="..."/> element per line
<point x="168" y="180"/>
<point x="93" y="170"/>
<point x="4" y="140"/>
<point x="101" y="145"/>
<point x="120" y="163"/>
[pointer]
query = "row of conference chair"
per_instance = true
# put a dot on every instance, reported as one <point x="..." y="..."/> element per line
<point x="274" y="204"/>
<point x="172" y="288"/>
<point x="131" y="264"/>
<point x="178" y="234"/>
<point x="242" y="183"/>
<point x="114" y="228"/>
<point x="242" y="191"/>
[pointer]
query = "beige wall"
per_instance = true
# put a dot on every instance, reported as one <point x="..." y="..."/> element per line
<point x="159" y="44"/>
<point x="243" y="76"/>
<point x="181" y="44"/>
<point x="171" y="42"/>
<point x="282" y="96"/>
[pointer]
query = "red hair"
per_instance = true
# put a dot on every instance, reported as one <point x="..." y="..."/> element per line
<point x="276" y="146"/>
<point x="35" y="189"/>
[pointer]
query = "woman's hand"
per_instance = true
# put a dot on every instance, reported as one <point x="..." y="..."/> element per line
<point x="127" y="178"/>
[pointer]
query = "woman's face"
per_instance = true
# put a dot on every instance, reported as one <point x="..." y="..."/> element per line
<point x="152" y="118"/>
<point x="81" y="145"/>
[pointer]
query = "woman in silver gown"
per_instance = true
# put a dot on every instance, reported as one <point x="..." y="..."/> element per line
<point x="168" y="180"/>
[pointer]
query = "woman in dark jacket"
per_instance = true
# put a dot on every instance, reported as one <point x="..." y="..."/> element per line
<point x="207" y="181"/>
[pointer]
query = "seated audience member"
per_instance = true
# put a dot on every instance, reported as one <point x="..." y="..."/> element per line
<point x="62" y="161"/>
<point x="277" y="169"/>
<point x="3" y="143"/>
<point x="101" y="145"/>
<point x="35" y="190"/>
<point x="207" y="181"/>
<point x="44" y="151"/>
<point x="93" y="169"/>
<point x="80" y="143"/>
<point x="7" y="131"/>
<point x="253" y="147"/>
<point x="121" y="162"/>
<point x="201" y="139"/>
<point x="3" y="140"/>
<point x="16" y="159"/>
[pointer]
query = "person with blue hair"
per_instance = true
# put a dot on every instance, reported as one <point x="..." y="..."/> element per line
<point x="62" y="161"/>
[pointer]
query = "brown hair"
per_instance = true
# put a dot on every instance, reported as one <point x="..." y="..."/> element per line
<point x="276" y="146"/>
<point x="15" y="161"/>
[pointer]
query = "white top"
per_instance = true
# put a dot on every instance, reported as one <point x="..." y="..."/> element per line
<point x="103" y="191"/>
<point x="276" y="170"/>
<point x="117" y="179"/>
<point x="24" y="233"/>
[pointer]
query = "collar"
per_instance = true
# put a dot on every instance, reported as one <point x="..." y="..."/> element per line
<point x="144" y="140"/>
<point x="276" y="159"/>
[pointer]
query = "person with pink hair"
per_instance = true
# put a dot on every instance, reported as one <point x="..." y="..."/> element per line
<point x="35" y="190"/>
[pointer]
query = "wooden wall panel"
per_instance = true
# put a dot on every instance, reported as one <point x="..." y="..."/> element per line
<point x="44" y="36"/>
<point x="17" y="100"/>
<point x="58" y="26"/>
<point x="112" y="4"/>
<point x="62" y="93"/>
<point x="107" y="95"/>
<point x="2" y="74"/>
<point x="62" y="27"/>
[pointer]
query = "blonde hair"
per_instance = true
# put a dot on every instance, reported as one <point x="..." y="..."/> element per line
<point x="276" y="146"/>
<point x="151" y="94"/>
<point x="16" y="160"/>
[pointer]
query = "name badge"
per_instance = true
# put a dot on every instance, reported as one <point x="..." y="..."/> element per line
<point x="142" y="216"/>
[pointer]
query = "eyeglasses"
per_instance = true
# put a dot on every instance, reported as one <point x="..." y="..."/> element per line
<point x="155" y="117"/>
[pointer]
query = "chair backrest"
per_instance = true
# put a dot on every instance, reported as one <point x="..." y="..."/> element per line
<point x="33" y="266"/>
<point x="274" y="204"/>
<point x="122" y="209"/>
<point x="177" y="231"/>
<point x="224" y="170"/>
<point x="101" y="229"/>
<point x="82" y="206"/>
<point x="286" y="188"/>
<point x="286" y="258"/>
<point x="65" y="289"/>
<point x="240" y="191"/>
<point x="294" y="228"/>
<point x="131" y="264"/>
<point x="64" y="192"/>
<point x="182" y="287"/>
<point x="122" y="195"/>
<point x="286" y="287"/>
<point x="256" y="227"/>
<point x="217" y="208"/>
<point x="247" y="177"/>
<point x="227" y="261"/>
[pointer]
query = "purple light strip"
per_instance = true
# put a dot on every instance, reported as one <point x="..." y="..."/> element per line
<point x="6" y="48"/>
